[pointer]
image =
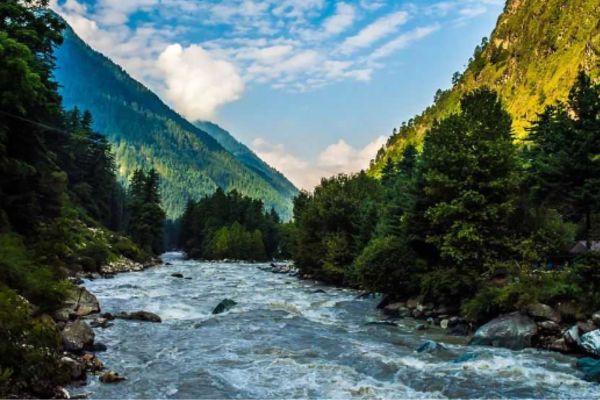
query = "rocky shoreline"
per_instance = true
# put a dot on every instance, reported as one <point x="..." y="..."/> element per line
<point x="74" y="322"/>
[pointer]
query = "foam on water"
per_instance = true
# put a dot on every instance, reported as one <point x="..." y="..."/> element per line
<point x="287" y="339"/>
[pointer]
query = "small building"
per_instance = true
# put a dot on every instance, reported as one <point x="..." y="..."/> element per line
<point x="582" y="247"/>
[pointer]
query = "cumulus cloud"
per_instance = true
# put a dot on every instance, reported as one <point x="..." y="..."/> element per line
<point x="374" y="32"/>
<point x="337" y="158"/>
<point x="196" y="83"/>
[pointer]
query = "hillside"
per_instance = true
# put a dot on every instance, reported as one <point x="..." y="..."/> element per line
<point x="146" y="133"/>
<point x="531" y="59"/>
<point x="248" y="158"/>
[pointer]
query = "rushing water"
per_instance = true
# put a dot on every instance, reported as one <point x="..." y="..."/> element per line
<point x="288" y="339"/>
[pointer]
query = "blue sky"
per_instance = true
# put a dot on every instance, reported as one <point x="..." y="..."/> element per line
<point x="313" y="86"/>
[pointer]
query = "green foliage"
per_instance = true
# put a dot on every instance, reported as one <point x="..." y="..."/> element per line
<point x="230" y="225"/>
<point x="146" y="134"/>
<point x="29" y="348"/>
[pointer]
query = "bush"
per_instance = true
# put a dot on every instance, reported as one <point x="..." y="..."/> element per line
<point x="29" y="348"/>
<point x="448" y="286"/>
<point x="97" y="253"/>
<point x="125" y="247"/>
<point x="386" y="265"/>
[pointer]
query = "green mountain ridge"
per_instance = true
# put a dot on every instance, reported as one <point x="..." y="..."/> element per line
<point x="146" y="133"/>
<point x="531" y="59"/>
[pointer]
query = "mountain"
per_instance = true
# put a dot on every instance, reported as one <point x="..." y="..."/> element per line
<point x="248" y="158"/>
<point x="532" y="59"/>
<point x="144" y="132"/>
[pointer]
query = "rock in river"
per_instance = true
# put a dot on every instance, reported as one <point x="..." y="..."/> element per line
<point x="111" y="377"/>
<point x="590" y="342"/>
<point x="513" y="331"/>
<point x="429" y="346"/>
<point x="139" y="316"/>
<point x="77" y="336"/>
<point x="223" y="306"/>
<point x="79" y="303"/>
<point x="177" y="275"/>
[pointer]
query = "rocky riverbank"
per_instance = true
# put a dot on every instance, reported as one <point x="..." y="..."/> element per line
<point x="74" y="322"/>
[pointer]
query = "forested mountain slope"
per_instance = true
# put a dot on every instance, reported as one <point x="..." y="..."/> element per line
<point x="146" y="133"/>
<point x="248" y="158"/>
<point x="531" y="59"/>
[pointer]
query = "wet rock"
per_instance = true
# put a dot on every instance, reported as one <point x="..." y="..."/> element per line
<point x="429" y="346"/>
<point x="101" y="323"/>
<point x="79" y="303"/>
<point x="366" y="295"/>
<point x="590" y="342"/>
<point x="77" y="336"/>
<point x="596" y="318"/>
<point x="395" y="310"/>
<point x="421" y="327"/>
<point x="111" y="377"/>
<point x="549" y="327"/>
<point x="389" y="323"/>
<point x="590" y="367"/>
<point x="384" y="302"/>
<point x="543" y="312"/>
<point x="559" y="345"/>
<point x="75" y="368"/>
<point x="458" y="327"/>
<point x="585" y="327"/>
<point x="466" y="357"/>
<point x="139" y="316"/>
<point x="108" y="316"/>
<point x="188" y="278"/>
<point x="514" y="331"/>
<point x="92" y="363"/>
<point x="319" y="291"/>
<point x="98" y="347"/>
<point x="168" y="264"/>
<point x="223" y="306"/>
<point x="177" y="275"/>
<point x="571" y="336"/>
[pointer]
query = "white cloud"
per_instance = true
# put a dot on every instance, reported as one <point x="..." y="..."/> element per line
<point x="371" y="5"/>
<point x="196" y="83"/>
<point x="341" y="20"/>
<point x="374" y="32"/>
<point x="337" y="158"/>
<point x="403" y="41"/>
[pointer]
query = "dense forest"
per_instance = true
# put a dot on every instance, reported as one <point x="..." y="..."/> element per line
<point x="530" y="65"/>
<point x="191" y="160"/>
<point x="62" y="210"/>
<point x="232" y="226"/>
<point x="471" y="210"/>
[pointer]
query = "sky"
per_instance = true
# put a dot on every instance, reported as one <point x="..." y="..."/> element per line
<point x="314" y="87"/>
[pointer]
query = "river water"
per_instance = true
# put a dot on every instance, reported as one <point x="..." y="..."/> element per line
<point x="286" y="338"/>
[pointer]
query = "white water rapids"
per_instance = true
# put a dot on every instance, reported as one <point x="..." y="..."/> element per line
<point x="287" y="339"/>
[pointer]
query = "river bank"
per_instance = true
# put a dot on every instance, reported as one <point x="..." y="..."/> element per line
<point x="291" y="338"/>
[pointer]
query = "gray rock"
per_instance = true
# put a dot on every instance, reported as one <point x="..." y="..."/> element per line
<point x="79" y="303"/>
<point x="394" y="309"/>
<point x="458" y="327"/>
<point x="559" y="345"/>
<point x="514" y="331"/>
<point x="590" y="342"/>
<point x="177" y="275"/>
<point x="543" y="312"/>
<point x="596" y="318"/>
<point x="139" y="316"/>
<point x="75" y="368"/>
<point x="429" y="346"/>
<point x="585" y="327"/>
<point x="421" y="327"/>
<point x="549" y="327"/>
<point x="571" y="336"/>
<point x="223" y="306"/>
<point x="77" y="336"/>
<point x="444" y="324"/>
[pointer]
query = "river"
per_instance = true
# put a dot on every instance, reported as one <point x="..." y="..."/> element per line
<point x="286" y="338"/>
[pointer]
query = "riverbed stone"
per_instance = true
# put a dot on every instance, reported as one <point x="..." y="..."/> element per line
<point x="77" y="336"/>
<point x="395" y="309"/>
<point x="223" y="306"/>
<point x="596" y="318"/>
<point x="79" y="303"/>
<point x="571" y="336"/>
<point x="177" y="275"/>
<point x="514" y="331"/>
<point x="75" y="368"/>
<point x="429" y="346"/>
<point x="458" y="326"/>
<point x="444" y="323"/>
<point x="590" y="342"/>
<point x="111" y="377"/>
<point x="466" y="357"/>
<point x="559" y="345"/>
<point x="543" y="312"/>
<point x="139" y="316"/>
<point x="549" y="327"/>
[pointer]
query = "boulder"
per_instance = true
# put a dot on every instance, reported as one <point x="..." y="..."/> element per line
<point x="585" y="327"/>
<point x="429" y="346"/>
<point x="549" y="327"/>
<point x="421" y="327"/>
<point x="571" y="336"/>
<point x="111" y="377"/>
<point x="101" y="323"/>
<point x="394" y="309"/>
<point x="444" y="324"/>
<point x="559" y="345"/>
<point x="76" y="336"/>
<point x="177" y="275"/>
<point x="98" y="347"/>
<point x="139" y="316"/>
<point x="75" y="368"/>
<point x="92" y="363"/>
<point x="543" y="312"/>
<point x="223" y="306"/>
<point x="590" y="367"/>
<point x="458" y="327"/>
<point x="79" y="303"/>
<point x="590" y="342"/>
<point x="514" y="331"/>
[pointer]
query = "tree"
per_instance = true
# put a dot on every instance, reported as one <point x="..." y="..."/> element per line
<point x="146" y="217"/>
<point x="565" y="155"/>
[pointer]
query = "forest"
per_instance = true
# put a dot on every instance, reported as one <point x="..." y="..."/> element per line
<point x="62" y="210"/>
<point x="474" y="222"/>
